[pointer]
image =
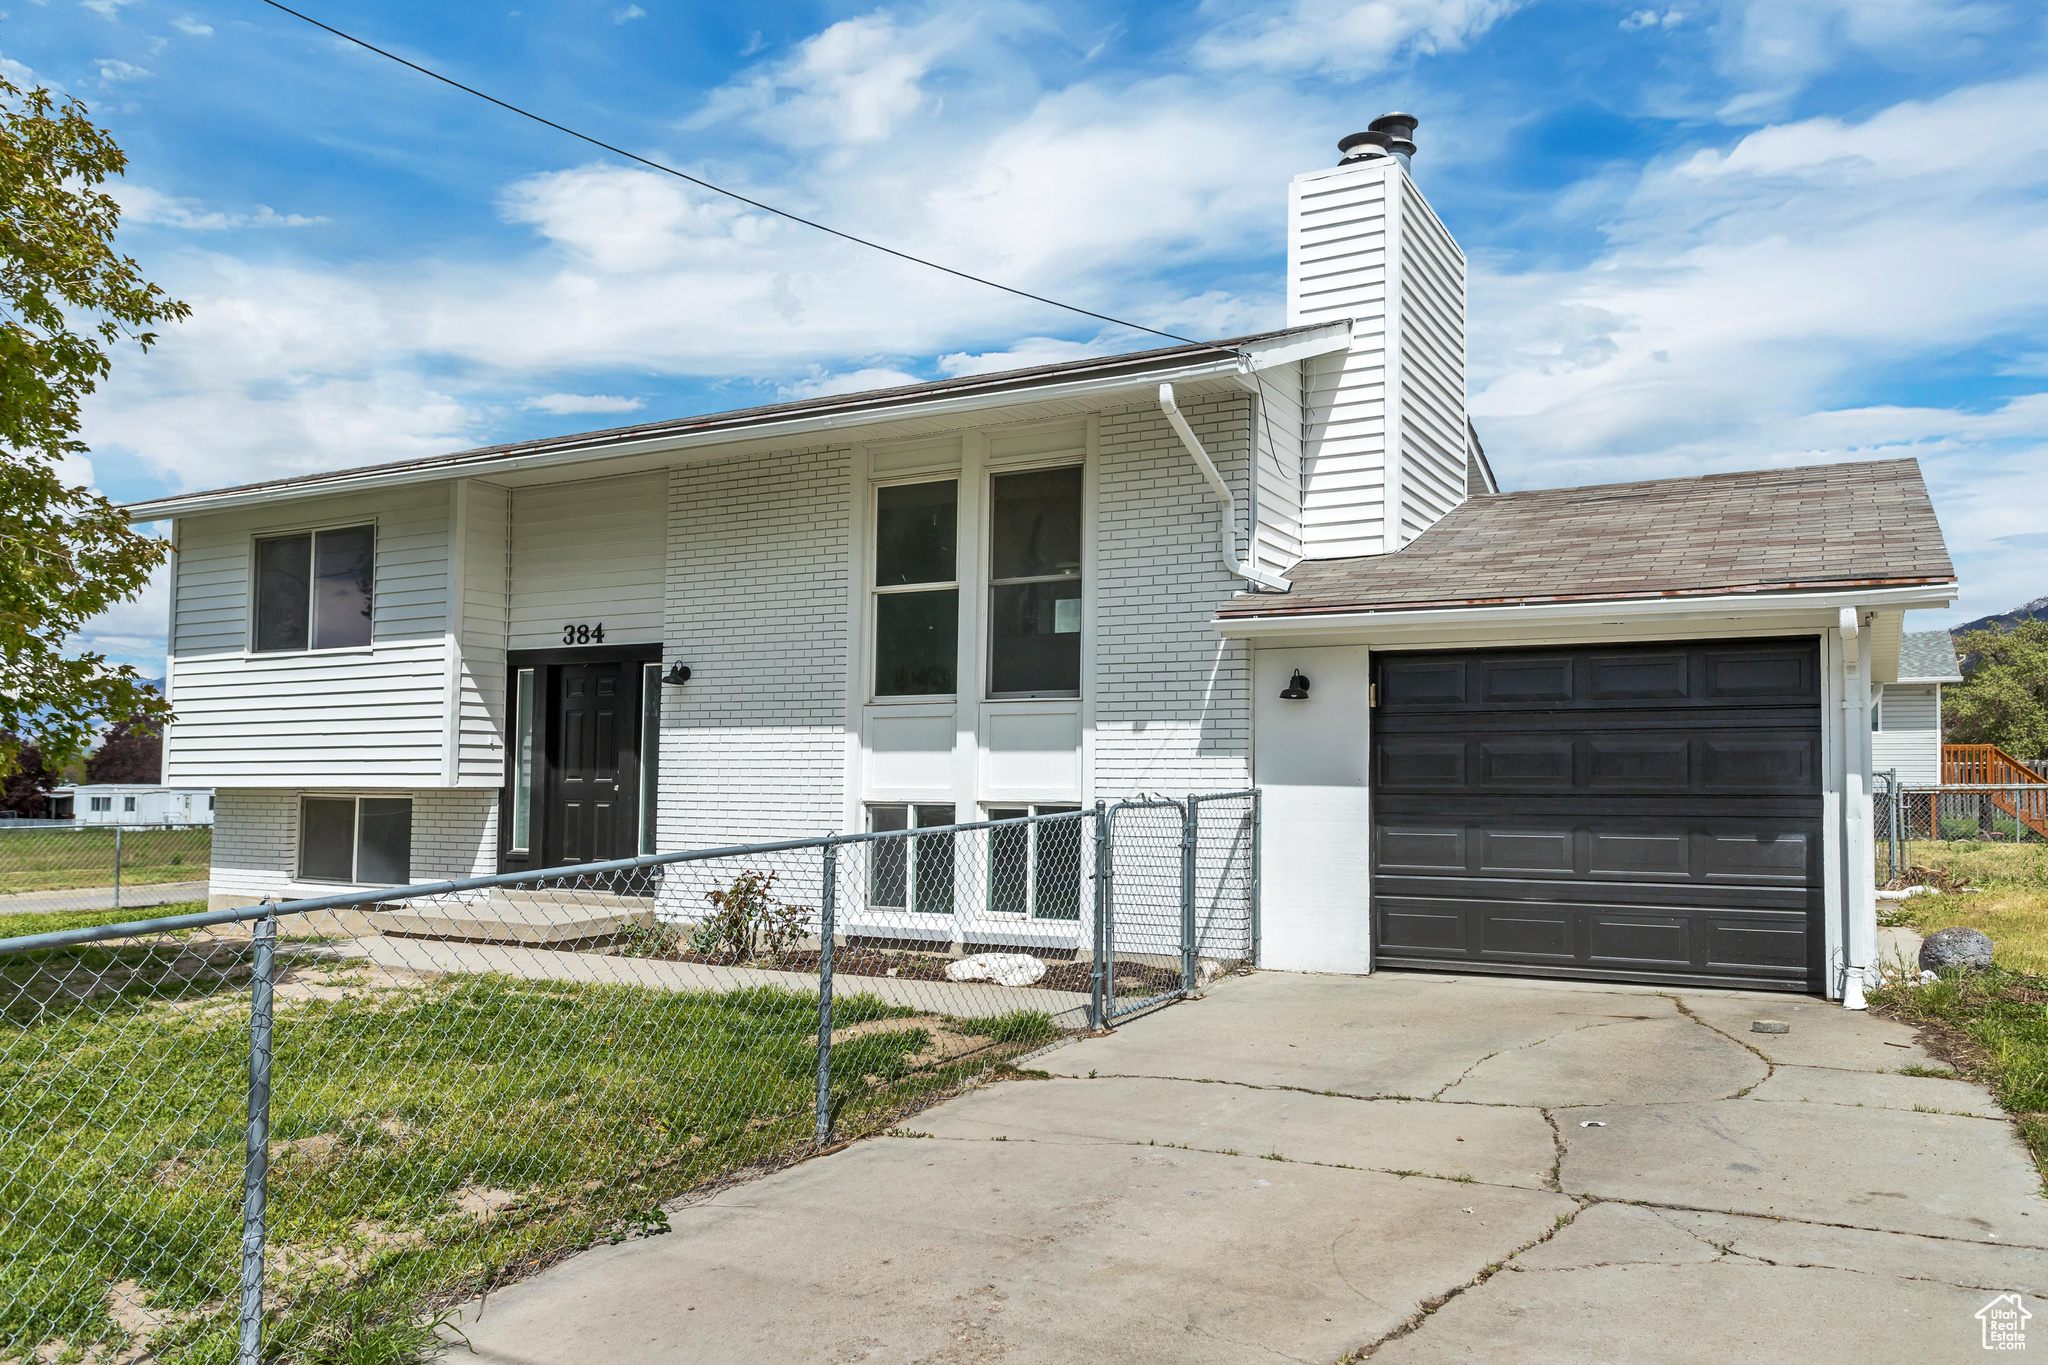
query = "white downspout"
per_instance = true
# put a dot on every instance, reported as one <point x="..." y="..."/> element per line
<point x="1858" y="897"/>
<point x="1228" y="540"/>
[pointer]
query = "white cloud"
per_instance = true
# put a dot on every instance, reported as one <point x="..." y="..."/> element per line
<point x="1776" y="46"/>
<point x="628" y="14"/>
<point x="110" y="9"/>
<point x="191" y="27"/>
<point x="1649" y="18"/>
<point x="113" y="71"/>
<point x="821" y="384"/>
<point x="141" y="204"/>
<point x="1348" y="35"/>
<point x="565" y="403"/>
<point x="1025" y="354"/>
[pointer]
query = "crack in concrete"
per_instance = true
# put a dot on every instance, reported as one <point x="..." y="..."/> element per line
<point x="1609" y="1022"/>
<point x="1556" y="1152"/>
<point x="1770" y="1067"/>
<point x="1435" y="1302"/>
<point x="1654" y="1205"/>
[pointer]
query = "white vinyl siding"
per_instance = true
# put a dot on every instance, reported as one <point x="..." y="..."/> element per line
<point x="1432" y="348"/>
<point x="1383" y="425"/>
<point x="1908" y="736"/>
<point x="1276" y="439"/>
<point x="589" y="553"/>
<point x="486" y="604"/>
<point x="372" y="715"/>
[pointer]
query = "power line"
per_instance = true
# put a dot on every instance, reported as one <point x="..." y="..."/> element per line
<point x="735" y="195"/>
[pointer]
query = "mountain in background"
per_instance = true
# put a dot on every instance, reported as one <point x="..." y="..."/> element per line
<point x="2036" y="610"/>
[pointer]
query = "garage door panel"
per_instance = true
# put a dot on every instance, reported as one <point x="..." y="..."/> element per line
<point x="1641" y="812"/>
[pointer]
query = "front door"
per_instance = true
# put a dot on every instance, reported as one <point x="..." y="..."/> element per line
<point x="591" y="800"/>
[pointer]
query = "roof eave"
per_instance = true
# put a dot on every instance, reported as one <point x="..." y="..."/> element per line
<point x="1876" y="593"/>
<point x="855" y="413"/>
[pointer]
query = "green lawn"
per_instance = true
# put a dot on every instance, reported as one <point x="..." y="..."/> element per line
<point x="50" y="921"/>
<point x="58" y="859"/>
<point x="429" y="1137"/>
<point x="1995" y="1025"/>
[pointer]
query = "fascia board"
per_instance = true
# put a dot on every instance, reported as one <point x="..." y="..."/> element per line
<point x="1759" y="607"/>
<point x="802" y="425"/>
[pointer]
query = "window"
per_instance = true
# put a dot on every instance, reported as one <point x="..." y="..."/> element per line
<point x="128" y="803"/>
<point x="361" y="840"/>
<point x="916" y="590"/>
<point x="914" y="873"/>
<point x="105" y="803"/>
<point x="650" y="752"/>
<point x="1034" y="596"/>
<point x="313" y="590"/>
<point x="209" y="803"/>
<point x="1876" y="710"/>
<point x="522" y="761"/>
<point x="1035" y="870"/>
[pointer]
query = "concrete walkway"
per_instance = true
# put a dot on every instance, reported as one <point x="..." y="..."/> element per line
<point x="1419" y="1169"/>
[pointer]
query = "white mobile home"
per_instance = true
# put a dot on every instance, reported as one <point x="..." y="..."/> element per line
<point x="1612" y="732"/>
<point x="1905" y="716"/>
<point x="131" y="803"/>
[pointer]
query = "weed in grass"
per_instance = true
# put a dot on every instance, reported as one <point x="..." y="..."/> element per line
<point x="363" y="1334"/>
<point x="1030" y="1027"/>
<point x="1272" y="1156"/>
<point x="1939" y="1073"/>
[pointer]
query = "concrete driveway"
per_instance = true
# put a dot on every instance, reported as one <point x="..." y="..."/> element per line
<point x="1320" y="1168"/>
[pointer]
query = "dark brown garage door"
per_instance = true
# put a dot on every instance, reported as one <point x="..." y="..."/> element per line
<point x="1640" y="813"/>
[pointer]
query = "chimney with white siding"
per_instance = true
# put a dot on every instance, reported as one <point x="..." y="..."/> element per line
<point x="1384" y="448"/>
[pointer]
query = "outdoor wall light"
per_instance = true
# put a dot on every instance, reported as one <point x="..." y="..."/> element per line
<point x="1297" y="687"/>
<point x="677" y="675"/>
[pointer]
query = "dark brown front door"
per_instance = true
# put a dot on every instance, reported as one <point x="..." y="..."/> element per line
<point x="591" y="796"/>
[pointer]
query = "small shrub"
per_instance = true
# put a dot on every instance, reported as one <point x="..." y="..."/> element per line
<point x="657" y="938"/>
<point x="747" y="921"/>
<point x="1956" y="829"/>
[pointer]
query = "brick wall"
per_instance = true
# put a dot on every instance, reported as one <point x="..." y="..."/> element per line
<point x="753" y="748"/>
<point x="255" y="841"/>
<point x="1171" y="700"/>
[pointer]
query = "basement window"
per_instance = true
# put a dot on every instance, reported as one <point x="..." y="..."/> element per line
<point x="357" y="840"/>
<point x="1034" y="871"/>
<point x="914" y="873"/>
<point x="313" y="591"/>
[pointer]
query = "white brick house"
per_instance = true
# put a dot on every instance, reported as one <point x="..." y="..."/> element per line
<point x="1024" y="590"/>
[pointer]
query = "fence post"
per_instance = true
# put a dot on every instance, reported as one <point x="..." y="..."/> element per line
<point x="1098" y="979"/>
<point x="256" y="1154"/>
<point x="1258" y="835"/>
<point x="1891" y="825"/>
<point x="1187" y="896"/>
<point x="826" y="904"/>
<point x="117" y="867"/>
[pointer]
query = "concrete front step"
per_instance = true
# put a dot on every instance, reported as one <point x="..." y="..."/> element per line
<point x="518" y="917"/>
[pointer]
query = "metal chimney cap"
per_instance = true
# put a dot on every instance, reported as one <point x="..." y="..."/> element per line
<point x="1399" y="129"/>
<point x="1359" y="146"/>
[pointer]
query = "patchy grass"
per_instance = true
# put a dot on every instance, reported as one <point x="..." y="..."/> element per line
<point x="1992" y="1027"/>
<point x="50" y="921"/>
<point x="2010" y="903"/>
<point x="59" y="859"/>
<point x="430" y="1137"/>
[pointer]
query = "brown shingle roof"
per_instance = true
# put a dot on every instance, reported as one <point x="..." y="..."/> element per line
<point x="1767" y="530"/>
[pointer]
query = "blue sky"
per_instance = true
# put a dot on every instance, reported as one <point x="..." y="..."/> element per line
<point x="1703" y="236"/>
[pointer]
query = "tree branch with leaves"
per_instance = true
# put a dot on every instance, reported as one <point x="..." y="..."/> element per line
<point x="66" y="552"/>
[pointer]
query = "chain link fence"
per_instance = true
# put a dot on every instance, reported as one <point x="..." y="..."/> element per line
<point x="61" y="866"/>
<point x="270" y="1134"/>
<point x="1903" y="815"/>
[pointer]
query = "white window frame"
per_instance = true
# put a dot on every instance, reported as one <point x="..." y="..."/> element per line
<point x="525" y="694"/>
<point x="984" y="614"/>
<point x="908" y="837"/>
<point x="650" y="755"/>
<point x="256" y="540"/>
<point x="875" y="591"/>
<point x="355" y="850"/>
<point x="998" y="810"/>
<point x="105" y="803"/>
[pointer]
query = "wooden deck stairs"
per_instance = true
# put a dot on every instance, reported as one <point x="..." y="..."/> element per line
<point x="1982" y="765"/>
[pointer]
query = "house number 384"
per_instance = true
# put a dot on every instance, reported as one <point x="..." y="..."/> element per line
<point x="583" y="633"/>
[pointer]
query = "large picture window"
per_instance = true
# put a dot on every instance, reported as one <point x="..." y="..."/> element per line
<point x="313" y="591"/>
<point x="1035" y="870"/>
<point x="916" y="589"/>
<point x="1034" y="603"/>
<point x="360" y="840"/>
<point x="914" y="873"/>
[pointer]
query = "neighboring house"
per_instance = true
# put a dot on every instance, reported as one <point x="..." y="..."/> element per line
<point x="1905" y="716"/>
<point x="123" y="803"/>
<point x="1620" y="732"/>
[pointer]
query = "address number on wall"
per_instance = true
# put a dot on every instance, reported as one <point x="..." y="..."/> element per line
<point x="583" y="633"/>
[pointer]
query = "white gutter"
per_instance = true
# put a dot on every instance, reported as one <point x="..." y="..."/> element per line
<point x="1398" y="620"/>
<point x="1858" y="888"/>
<point x="1227" y="538"/>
